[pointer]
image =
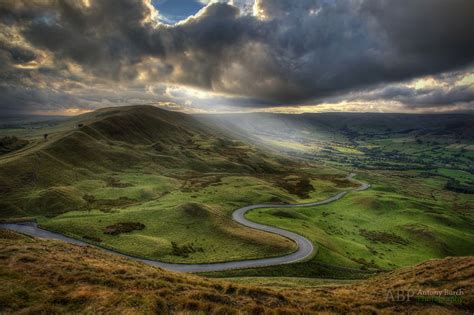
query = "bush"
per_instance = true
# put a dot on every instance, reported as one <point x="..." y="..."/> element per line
<point x="185" y="250"/>
<point x="193" y="209"/>
<point x="161" y="306"/>
<point x="12" y="143"/>
<point x="454" y="185"/>
<point x="123" y="227"/>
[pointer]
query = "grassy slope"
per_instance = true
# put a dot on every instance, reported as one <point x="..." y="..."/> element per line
<point x="407" y="217"/>
<point x="396" y="223"/>
<point x="142" y="164"/>
<point x="381" y="228"/>
<point x="53" y="277"/>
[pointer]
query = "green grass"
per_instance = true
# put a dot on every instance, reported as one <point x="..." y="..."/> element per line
<point x="378" y="228"/>
<point x="406" y="225"/>
<point x="140" y="164"/>
<point x="137" y="186"/>
<point x="143" y="165"/>
<point x="213" y="231"/>
<point x="462" y="176"/>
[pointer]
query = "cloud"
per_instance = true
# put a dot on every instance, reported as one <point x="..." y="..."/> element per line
<point x="271" y="52"/>
<point x="427" y="97"/>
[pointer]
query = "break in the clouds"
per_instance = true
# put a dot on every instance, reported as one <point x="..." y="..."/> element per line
<point x="212" y="55"/>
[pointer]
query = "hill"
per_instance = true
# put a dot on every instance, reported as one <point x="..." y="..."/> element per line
<point x="163" y="185"/>
<point x="114" y="140"/>
<point x="142" y="166"/>
<point x="53" y="277"/>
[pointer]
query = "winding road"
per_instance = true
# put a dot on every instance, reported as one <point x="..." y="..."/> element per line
<point x="304" y="251"/>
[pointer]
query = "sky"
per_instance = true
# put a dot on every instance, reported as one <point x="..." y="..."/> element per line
<point x="66" y="57"/>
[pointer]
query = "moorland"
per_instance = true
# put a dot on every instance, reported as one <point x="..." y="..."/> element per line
<point x="168" y="171"/>
<point x="163" y="185"/>
<point x="44" y="277"/>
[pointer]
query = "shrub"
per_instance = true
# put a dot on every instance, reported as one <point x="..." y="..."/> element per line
<point x="185" y="250"/>
<point x="161" y="306"/>
<point x="193" y="209"/>
<point x="92" y="238"/>
<point x="12" y="143"/>
<point x="456" y="186"/>
<point x="123" y="227"/>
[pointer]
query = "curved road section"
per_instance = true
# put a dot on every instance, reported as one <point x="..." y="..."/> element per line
<point x="304" y="251"/>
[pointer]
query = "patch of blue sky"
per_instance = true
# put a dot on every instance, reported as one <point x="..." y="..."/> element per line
<point x="172" y="11"/>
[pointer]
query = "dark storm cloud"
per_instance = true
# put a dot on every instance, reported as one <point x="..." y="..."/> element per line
<point x="32" y="99"/>
<point x="288" y="52"/>
<point x="425" y="97"/>
<point x="16" y="54"/>
<point x="106" y="37"/>
<point x="349" y="45"/>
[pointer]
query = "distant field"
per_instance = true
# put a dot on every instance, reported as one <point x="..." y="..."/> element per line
<point x="461" y="176"/>
<point x="368" y="140"/>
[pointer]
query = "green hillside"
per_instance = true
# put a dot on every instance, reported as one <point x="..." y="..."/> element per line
<point x="420" y="205"/>
<point x="163" y="185"/>
<point x="179" y="177"/>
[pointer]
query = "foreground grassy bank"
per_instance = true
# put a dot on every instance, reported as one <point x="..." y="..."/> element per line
<point x="53" y="277"/>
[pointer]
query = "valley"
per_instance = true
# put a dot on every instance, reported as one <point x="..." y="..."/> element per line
<point x="162" y="187"/>
<point x="236" y="157"/>
<point x="179" y="178"/>
<point x="174" y="175"/>
<point x="304" y="247"/>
